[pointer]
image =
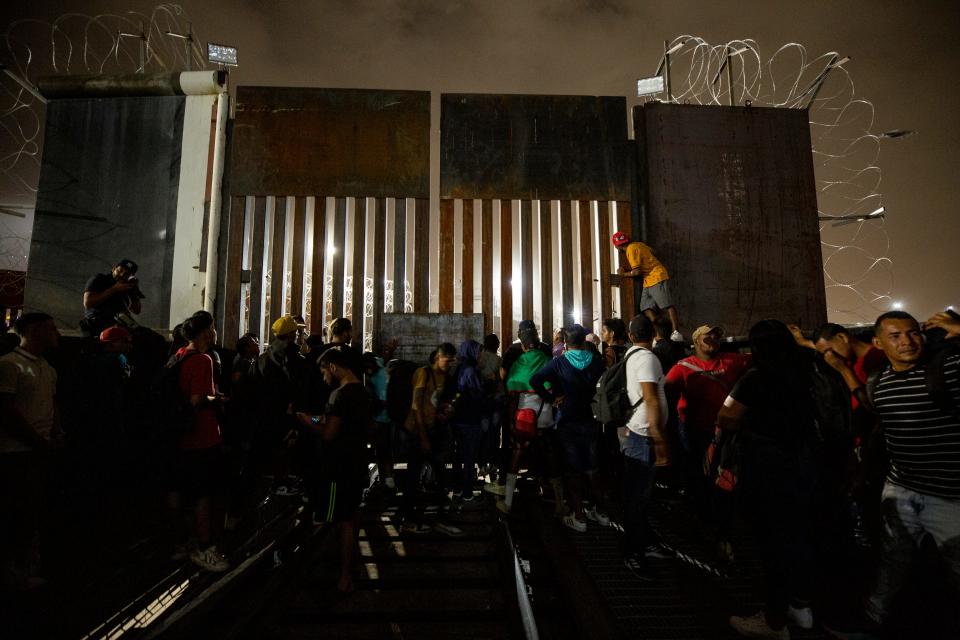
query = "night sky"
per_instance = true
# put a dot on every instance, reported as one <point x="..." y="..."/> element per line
<point x="902" y="61"/>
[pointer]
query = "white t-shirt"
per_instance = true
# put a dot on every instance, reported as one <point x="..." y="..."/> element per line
<point x="644" y="366"/>
<point x="33" y="384"/>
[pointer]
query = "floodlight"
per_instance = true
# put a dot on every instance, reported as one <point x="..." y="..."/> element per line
<point x="650" y="86"/>
<point x="221" y="54"/>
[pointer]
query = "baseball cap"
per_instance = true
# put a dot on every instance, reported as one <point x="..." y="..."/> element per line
<point x="284" y="325"/>
<point x="114" y="334"/>
<point x="620" y="238"/>
<point x="703" y="330"/>
<point x="129" y="265"/>
<point x="526" y="324"/>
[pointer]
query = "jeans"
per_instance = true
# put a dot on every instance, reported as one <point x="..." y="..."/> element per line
<point x="907" y="517"/>
<point x="579" y="443"/>
<point x="471" y="437"/>
<point x="639" y="466"/>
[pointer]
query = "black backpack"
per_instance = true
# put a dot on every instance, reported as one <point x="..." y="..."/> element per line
<point x="935" y="377"/>
<point x="831" y="403"/>
<point x="611" y="404"/>
<point x="400" y="389"/>
<point x="172" y="407"/>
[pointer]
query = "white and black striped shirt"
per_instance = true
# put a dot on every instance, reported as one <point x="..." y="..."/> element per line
<point x="923" y="439"/>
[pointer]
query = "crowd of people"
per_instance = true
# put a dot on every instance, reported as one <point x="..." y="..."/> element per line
<point x="795" y="434"/>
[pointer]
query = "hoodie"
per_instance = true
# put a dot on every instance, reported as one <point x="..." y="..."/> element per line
<point x="574" y="376"/>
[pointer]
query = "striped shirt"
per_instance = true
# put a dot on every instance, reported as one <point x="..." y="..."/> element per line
<point x="923" y="439"/>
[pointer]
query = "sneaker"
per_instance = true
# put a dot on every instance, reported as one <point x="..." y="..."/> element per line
<point x="659" y="550"/>
<point x="599" y="517"/>
<point x="416" y="528"/>
<point x="802" y="617"/>
<point x="470" y="504"/>
<point x="725" y="552"/>
<point x="756" y="626"/>
<point x="503" y="508"/>
<point x="638" y="566"/>
<point x="286" y="490"/>
<point x="210" y="560"/>
<point x="580" y="526"/>
<point x="447" y="529"/>
<point x="676" y="336"/>
<point x="495" y="489"/>
<point x="858" y="627"/>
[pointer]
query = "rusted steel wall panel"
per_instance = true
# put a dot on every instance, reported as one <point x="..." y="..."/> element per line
<point x="234" y="265"/>
<point x="317" y="314"/>
<point x="357" y="274"/>
<point x="378" y="269"/>
<point x="586" y="263"/>
<point x="506" y="272"/>
<point x="566" y="261"/>
<point x="399" y="254"/>
<point x="446" y="256"/>
<point x="341" y="142"/>
<point x="486" y="265"/>
<point x="548" y="320"/>
<point x="733" y="213"/>
<point x="466" y="287"/>
<point x="276" y="259"/>
<point x="526" y="258"/>
<point x="628" y="302"/>
<point x="603" y="230"/>
<point x="530" y="147"/>
<point x="339" y="251"/>
<point x="297" y="255"/>
<point x="258" y="235"/>
<point x="421" y="257"/>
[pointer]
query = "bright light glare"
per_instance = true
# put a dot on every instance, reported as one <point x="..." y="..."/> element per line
<point x="897" y="305"/>
<point x="332" y="249"/>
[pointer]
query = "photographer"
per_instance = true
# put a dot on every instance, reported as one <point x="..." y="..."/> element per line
<point x="110" y="295"/>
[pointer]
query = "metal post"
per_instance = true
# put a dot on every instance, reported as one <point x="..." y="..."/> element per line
<point x="730" y="74"/>
<point x="142" y="47"/>
<point x="666" y="69"/>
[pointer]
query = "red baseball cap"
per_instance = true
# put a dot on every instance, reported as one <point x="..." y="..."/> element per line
<point x="620" y="239"/>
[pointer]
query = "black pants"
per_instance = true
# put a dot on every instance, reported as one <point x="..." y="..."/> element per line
<point x="410" y="504"/>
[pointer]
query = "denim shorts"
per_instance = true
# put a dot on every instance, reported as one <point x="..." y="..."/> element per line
<point x="579" y="445"/>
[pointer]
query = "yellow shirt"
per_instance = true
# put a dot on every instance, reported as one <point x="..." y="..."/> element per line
<point x="641" y="256"/>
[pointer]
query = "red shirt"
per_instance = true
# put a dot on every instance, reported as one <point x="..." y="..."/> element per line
<point x="702" y="394"/>
<point x="871" y="361"/>
<point x="196" y="379"/>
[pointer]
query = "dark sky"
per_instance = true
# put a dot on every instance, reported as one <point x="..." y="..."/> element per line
<point x="903" y="54"/>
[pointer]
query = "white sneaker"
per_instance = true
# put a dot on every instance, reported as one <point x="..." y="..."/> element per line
<point x="210" y="560"/>
<point x="676" y="336"/>
<point x="580" y="526"/>
<point x="802" y="617"/>
<point x="599" y="517"/>
<point x="756" y="626"/>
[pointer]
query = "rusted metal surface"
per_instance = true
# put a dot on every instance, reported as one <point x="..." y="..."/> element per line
<point x="548" y="321"/>
<point x="603" y="230"/>
<point x="486" y="265"/>
<point x="584" y="214"/>
<point x="317" y="315"/>
<point x="733" y="213"/>
<point x="234" y="264"/>
<point x="340" y="142"/>
<point x="421" y="257"/>
<point x="526" y="259"/>
<point x="276" y="259"/>
<point x="467" y="280"/>
<point x="506" y="272"/>
<point x="379" y="267"/>
<point x="258" y="235"/>
<point x="566" y="262"/>
<point x="531" y="147"/>
<point x="399" y="253"/>
<point x="446" y="256"/>
<point x="359" y="258"/>
<point x="628" y="307"/>
<point x="339" y="250"/>
<point x="297" y="255"/>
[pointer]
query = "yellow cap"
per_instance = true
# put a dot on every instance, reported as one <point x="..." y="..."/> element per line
<point x="284" y="325"/>
<point x="705" y="329"/>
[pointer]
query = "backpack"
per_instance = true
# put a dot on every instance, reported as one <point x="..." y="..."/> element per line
<point x="935" y="377"/>
<point x="171" y="405"/>
<point x="400" y="389"/>
<point x="611" y="404"/>
<point x="831" y="403"/>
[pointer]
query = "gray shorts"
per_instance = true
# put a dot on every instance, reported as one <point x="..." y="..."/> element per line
<point x="656" y="296"/>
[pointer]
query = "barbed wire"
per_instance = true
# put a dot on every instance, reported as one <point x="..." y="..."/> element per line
<point x="856" y="265"/>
